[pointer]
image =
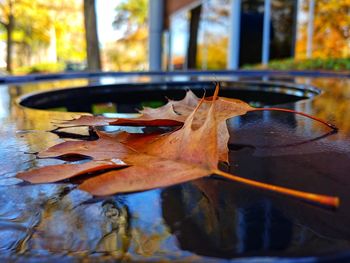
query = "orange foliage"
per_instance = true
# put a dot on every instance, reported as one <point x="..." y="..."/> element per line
<point x="331" y="30"/>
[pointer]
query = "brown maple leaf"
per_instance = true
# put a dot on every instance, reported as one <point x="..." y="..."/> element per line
<point x="174" y="113"/>
<point x="156" y="160"/>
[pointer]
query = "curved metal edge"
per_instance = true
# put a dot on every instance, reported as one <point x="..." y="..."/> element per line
<point x="86" y="74"/>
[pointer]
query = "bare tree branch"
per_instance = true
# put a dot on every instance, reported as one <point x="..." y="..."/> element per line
<point x="3" y="24"/>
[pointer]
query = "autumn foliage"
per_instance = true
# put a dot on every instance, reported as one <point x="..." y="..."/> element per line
<point x="125" y="162"/>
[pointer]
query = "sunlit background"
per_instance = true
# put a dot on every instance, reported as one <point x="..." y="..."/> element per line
<point x="38" y="36"/>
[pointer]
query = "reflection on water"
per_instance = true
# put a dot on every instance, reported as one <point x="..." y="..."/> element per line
<point x="218" y="219"/>
<point x="101" y="227"/>
<point x="208" y="220"/>
<point x="20" y="211"/>
<point x="229" y="228"/>
<point x="333" y="104"/>
<point x="18" y="90"/>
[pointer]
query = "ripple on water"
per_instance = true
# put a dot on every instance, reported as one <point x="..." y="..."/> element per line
<point x="20" y="211"/>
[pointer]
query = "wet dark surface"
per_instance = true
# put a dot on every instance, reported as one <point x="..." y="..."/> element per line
<point x="208" y="220"/>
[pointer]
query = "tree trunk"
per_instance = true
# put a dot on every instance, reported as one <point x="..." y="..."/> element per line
<point x="192" y="43"/>
<point x="9" y="46"/>
<point x="92" y="48"/>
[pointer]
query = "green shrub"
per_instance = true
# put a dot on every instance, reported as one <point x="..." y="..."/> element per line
<point x="305" y="64"/>
<point x="40" y="68"/>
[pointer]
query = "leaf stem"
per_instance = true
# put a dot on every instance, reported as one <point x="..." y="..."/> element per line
<point x="331" y="201"/>
<point x="331" y="126"/>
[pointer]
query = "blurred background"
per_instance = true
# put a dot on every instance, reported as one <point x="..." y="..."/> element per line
<point x="39" y="36"/>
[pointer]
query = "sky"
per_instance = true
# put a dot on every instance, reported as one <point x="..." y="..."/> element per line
<point x="105" y="15"/>
<point x="106" y="33"/>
